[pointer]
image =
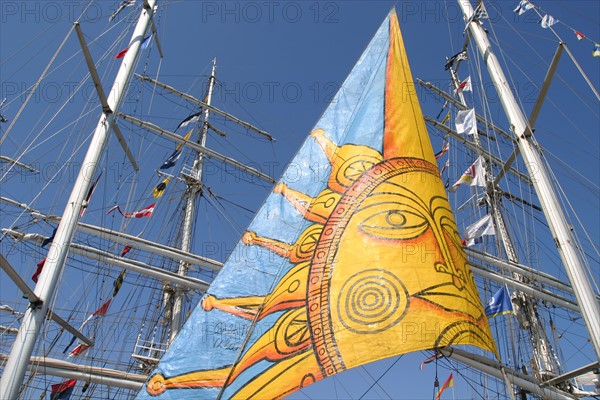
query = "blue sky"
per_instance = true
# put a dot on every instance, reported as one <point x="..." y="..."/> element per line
<point x="278" y="64"/>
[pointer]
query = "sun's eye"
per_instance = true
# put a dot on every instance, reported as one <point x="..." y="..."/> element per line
<point x="397" y="222"/>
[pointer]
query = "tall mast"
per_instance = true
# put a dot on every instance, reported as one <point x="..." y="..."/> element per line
<point x="546" y="365"/>
<point x="194" y="188"/>
<point x="45" y="290"/>
<point x="561" y="233"/>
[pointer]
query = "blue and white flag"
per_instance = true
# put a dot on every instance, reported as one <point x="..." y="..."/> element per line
<point x="499" y="304"/>
<point x="146" y="42"/>
<point x="548" y="21"/>
<point x="189" y="119"/>
<point x="523" y="6"/>
<point x="122" y="6"/>
<point x="172" y="160"/>
<point x="49" y="240"/>
<point x="474" y="232"/>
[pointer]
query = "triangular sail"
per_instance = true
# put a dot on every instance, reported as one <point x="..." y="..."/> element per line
<point x="354" y="257"/>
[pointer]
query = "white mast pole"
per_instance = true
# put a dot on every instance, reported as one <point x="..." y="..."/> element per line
<point x="16" y="366"/>
<point x="563" y="238"/>
<point x="194" y="188"/>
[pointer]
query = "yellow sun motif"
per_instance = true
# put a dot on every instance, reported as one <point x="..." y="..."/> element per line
<point x="378" y="272"/>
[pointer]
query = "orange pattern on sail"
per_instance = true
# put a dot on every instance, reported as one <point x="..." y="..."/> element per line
<point x="405" y="133"/>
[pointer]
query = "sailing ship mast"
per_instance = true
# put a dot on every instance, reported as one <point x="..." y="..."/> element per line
<point x="192" y="175"/>
<point x="194" y="188"/>
<point x="563" y="237"/>
<point x="546" y="363"/>
<point x="34" y="317"/>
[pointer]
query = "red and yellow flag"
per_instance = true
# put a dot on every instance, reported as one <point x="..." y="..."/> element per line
<point x="448" y="384"/>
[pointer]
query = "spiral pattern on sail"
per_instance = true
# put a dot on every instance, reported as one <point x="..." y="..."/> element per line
<point x="372" y="298"/>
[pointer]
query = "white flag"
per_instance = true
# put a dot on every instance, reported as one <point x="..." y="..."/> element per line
<point x="548" y="21"/>
<point x="473" y="176"/>
<point x="465" y="122"/>
<point x="485" y="226"/>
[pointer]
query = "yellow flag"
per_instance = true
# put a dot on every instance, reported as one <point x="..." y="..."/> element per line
<point x="446" y="119"/>
<point x="159" y="190"/>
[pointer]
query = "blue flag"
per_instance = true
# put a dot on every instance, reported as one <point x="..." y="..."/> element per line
<point x="48" y="240"/>
<point x="499" y="304"/>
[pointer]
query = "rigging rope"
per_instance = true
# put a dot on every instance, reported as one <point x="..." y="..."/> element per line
<point x="378" y="379"/>
<point x="35" y="86"/>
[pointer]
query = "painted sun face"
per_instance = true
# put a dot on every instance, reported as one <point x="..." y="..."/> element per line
<point x="385" y="266"/>
<point x="379" y="272"/>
